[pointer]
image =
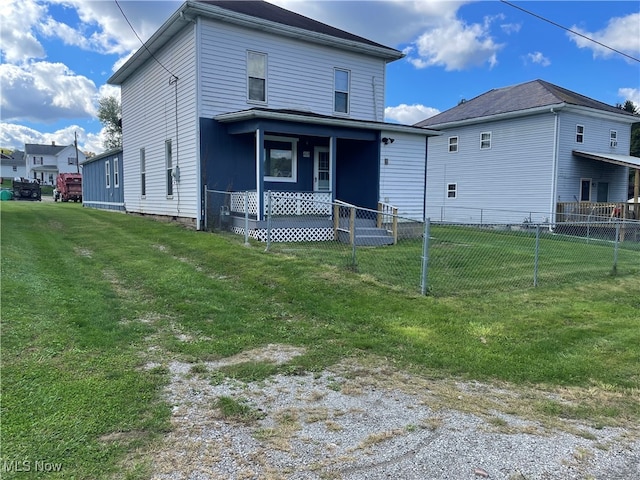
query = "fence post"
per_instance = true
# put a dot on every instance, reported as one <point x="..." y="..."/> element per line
<point x="536" y="256"/>
<point x="352" y="225"/>
<point x="246" y="218"/>
<point x="268" y="220"/>
<point x="395" y="225"/>
<point x="615" y="249"/>
<point x="206" y="208"/>
<point x="425" y="256"/>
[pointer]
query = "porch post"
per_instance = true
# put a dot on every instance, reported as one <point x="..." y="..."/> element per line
<point x="259" y="174"/>
<point x="332" y="158"/>
<point x="636" y="194"/>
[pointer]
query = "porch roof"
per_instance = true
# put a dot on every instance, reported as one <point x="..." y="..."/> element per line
<point x="624" y="160"/>
<point x="318" y="119"/>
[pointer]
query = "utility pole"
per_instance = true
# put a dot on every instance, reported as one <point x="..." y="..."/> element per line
<point x="77" y="158"/>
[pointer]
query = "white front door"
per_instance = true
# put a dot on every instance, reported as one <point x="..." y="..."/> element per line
<point x="321" y="170"/>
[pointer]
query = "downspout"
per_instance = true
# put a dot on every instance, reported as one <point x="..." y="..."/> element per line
<point x="554" y="173"/>
<point x="259" y="174"/>
<point x="375" y="102"/>
<point x="199" y="186"/>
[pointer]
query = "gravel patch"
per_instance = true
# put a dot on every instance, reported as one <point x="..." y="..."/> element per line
<point x="371" y="422"/>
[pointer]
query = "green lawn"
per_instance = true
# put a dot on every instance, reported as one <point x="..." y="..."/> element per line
<point x="86" y="294"/>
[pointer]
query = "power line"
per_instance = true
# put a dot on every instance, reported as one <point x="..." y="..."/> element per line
<point x="570" y="30"/>
<point x="144" y="44"/>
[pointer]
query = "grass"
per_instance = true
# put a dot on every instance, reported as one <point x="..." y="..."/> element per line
<point x="90" y="299"/>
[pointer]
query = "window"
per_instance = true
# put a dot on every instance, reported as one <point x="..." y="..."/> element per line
<point x="453" y="144"/>
<point x="585" y="189"/>
<point x="485" y="140"/>
<point x="452" y="190"/>
<point x="613" y="138"/>
<point x="14" y="168"/>
<point x="257" y="76"/>
<point x="579" y="133"/>
<point x="168" y="157"/>
<point x="38" y="161"/>
<point x="116" y="173"/>
<point x="72" y="161"/>
<point x="143" y="173"/>
<point x="280" y="159"/>
<point x="341" y="90"/>
<point x="107" y="173"/>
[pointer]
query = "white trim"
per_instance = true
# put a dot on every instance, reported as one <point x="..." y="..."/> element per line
<point x="581" y="142"/>
<point x="455" y="191"/>
<point x="294" y="158"/>
<point x="582" y="180"/>
<point x="115" y="204"/>
<point x="347" y="91"/>
<point x="456" y="144"/>
<point x="107" y="172"/>
<point x="482" y="140"/>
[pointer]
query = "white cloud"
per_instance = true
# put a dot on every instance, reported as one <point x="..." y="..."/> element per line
<point x="18" y="40"/>
<point x="455" y="46"/>
<point x="45" y="92"/>
<point x="539" y="58"/>
<point x="409" y="114"/>
<point x="632" y="94"/>
<point x="621" y="33"/>
<point x="14" y="136"/>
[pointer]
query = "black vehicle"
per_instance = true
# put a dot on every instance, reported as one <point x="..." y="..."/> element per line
<point x="23" y="189"/>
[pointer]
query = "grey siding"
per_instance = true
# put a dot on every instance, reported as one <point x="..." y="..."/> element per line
<point x="402" y="167"/>
<point x="150" y="114"/>
<point x="300" y="74"/>
<point x="95" y="192"/>
<point x="501" y="184"/>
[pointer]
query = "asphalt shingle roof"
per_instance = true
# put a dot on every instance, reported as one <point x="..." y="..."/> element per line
<point x="524" y="96"/>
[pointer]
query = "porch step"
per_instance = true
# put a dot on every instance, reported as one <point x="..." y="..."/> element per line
<point x="368" y="237"/>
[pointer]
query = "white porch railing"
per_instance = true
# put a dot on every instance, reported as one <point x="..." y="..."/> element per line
<point x="284" y="203"/>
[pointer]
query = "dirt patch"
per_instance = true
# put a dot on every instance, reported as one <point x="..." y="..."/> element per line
<point x="366" y="420"/>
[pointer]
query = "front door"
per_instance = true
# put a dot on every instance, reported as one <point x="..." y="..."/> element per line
<point x="321" y="170"/>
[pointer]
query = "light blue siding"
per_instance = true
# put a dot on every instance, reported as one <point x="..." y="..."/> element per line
<point x="95" y="192"/>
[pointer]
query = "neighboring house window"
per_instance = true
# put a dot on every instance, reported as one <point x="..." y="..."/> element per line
<point x="116" y="173"/>
<point x="168" y="156"/>
<point x="143" y="173"/>
<point x="280" y="159"/>
<point x="613" y="138"/>
<point x="485" y="140"/>
<point x="38" y="161"/>
<point x="341" y="90"/>
<point x="72" y="161"/>
<point x="579" y="133"/>
<point x="15" y="168"/>
<point x="585" y="189"/>
<point x="453" y="144"/>
<point x="257" y="76"/>
<point x="107" y="172"/>
<point x="452" y="190"/>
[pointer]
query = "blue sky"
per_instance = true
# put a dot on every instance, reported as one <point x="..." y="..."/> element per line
<point x="56" y="56"/>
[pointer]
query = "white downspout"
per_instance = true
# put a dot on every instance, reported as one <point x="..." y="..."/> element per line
<point x="554" y="173"/>
<point x="375" y="102"/>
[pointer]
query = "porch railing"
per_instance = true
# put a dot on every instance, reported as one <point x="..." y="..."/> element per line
<point x="388" y="218"/>
<point x="592" y="211"/>
<point x="284" y="203"/>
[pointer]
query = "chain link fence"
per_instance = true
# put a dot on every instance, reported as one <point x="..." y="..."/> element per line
<point x="430" y="257"/>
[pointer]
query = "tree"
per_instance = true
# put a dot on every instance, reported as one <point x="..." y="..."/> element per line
<point x="110" y="115"/>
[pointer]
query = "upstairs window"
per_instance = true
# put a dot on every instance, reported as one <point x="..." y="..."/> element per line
<point x="72" y="161"/>
<point x="452" y="190"/>
<point x="485" y="140"/>
<point x="613" y="138"/>
<point x="168" y="158"/>
<point x="257" y="77"/>
<point x="38" y="160"/>
<point x="341" y="83"/>
<point x="579" y="133"/>
<point x="453" y="144"/>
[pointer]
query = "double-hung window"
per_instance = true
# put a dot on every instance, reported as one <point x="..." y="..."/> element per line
<point x="143" y="173"/>
<point x="341" y="84"/>
<point x="107" y="173"/>
<point x="613" y="138"/>
<point x="116" y="173"/>
<point x="453" y="144"/>
<point x="168" y="158"/>
<point x="452" y="190"/>
<point x="256" y="77"/>
<point x="280" y="159"/>
<point x="579" y="133"/>
<point x="485" y="140"/>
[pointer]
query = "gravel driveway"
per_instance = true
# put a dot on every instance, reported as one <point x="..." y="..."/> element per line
<point x="366" y="420"/>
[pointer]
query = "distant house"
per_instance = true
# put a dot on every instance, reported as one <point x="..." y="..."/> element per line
<point x="103" y="182"/>
<point x="247" y="96"/>
<point x="533" y="148"/>
<point x="45" y="162"/>
<point x="12" y="165"/>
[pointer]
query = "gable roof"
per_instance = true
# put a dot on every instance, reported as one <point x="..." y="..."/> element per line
<point x="38" y="149"/>
<point x="259" y="15"/>
<point x="525" y="97"/>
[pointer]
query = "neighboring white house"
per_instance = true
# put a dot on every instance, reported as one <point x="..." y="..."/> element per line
<point x="45" y="162"/>
<point x="529" y="150"/>
<point x="12" y="165"/>
<point x="247" y="96"/>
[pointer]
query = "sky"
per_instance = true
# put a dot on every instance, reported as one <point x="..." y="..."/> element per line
<point x="56" y="56"/>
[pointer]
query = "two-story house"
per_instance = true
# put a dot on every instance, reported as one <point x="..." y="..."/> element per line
<point x="45" y="162"/>
<point x="247" y="96"/>
<point x="12" y="164"/>
<point x="531" y="150"/>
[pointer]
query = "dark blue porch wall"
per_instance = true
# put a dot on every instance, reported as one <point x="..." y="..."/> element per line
<point x="358" y="173"/>
<point x="228" y="161"/>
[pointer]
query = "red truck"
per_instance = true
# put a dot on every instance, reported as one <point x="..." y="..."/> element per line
<point x="68" y="187"/>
